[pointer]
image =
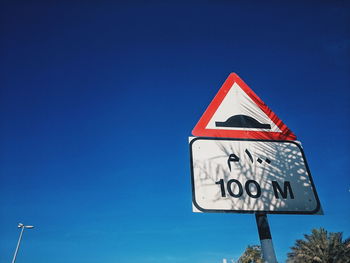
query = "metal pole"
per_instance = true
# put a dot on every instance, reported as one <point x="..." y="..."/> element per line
<point x="268" y="252"/>
<point x="18" y="243"/>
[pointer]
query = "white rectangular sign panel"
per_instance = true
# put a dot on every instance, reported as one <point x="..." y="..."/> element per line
<point x="247" y="176"/>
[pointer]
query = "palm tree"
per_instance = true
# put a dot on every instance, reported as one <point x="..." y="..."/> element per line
<point x="252" y="254"/>
<point x="322" y="247"/>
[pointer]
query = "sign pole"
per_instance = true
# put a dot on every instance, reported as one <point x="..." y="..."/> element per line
<point x="268" y="252"/>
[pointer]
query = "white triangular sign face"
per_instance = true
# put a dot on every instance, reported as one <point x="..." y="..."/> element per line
<point x="237" y="112"/>
<point x="236" y="103"/>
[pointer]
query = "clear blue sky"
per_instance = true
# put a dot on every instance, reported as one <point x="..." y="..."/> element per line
<point x="98" y="99"/>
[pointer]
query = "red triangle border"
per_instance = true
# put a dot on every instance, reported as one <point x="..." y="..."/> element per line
<point x="201" y="131"/>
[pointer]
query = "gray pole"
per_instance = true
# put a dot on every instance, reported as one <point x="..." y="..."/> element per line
<point x="268" y="252"/>
<point x="18" y="243"/>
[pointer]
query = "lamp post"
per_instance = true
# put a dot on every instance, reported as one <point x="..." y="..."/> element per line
<point x="20" y="225"/>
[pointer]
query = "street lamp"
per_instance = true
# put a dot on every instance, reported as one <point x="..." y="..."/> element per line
<point x="20" y="225"/>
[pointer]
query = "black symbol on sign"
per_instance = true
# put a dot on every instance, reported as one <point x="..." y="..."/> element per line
<point x="234" y="158"/>
<point x="266" y="160"/>
<point x="242" y="121"/>
<point x="259" y="160"/>
<point x="249" y="155"/>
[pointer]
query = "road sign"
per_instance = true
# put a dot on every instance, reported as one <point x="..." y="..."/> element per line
<point x="248" y="176"/>
<point x="237" y="112"/>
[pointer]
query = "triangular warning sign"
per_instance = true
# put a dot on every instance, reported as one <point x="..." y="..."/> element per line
<point x="237" y="112"/>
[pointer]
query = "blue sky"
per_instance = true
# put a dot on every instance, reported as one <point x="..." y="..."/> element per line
<point x="98" y="100"/>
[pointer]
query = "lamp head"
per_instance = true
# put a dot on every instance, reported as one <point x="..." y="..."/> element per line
<point x="20" y="225"/>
